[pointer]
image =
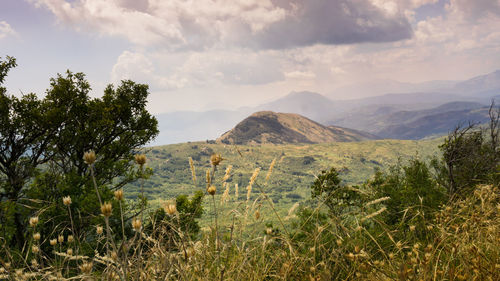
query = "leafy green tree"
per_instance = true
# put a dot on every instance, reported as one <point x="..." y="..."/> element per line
<point x="411" y="190"/>
<point x="26" y="133"/>
<point x="43" y="141"/>
<point x="337" y="197"/>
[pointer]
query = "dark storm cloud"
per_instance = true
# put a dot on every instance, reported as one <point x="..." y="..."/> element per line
<point x="332" y="22"/>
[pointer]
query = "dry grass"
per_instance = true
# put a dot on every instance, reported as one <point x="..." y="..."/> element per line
<point x="460" y="243"/>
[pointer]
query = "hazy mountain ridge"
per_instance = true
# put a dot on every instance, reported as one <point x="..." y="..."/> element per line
<point x="371" y="114"/>
<point x="280" y="128"/>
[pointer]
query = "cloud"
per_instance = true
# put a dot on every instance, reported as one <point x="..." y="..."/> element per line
<point x="474" y="10"/>
<point x="5" y="30"/>
<point x="334" y="22"/>
<point x="268" y="24"/>
<point x="137" y="67"/>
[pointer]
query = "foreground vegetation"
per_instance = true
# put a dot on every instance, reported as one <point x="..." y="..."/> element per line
<point x="357" y="213"/>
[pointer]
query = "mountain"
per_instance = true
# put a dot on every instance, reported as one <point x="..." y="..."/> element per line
<point x="438" y="123"/>
<point x="279" y="128"/>
<point x="309" y="104"/>
<point x="375" y="119"/>
<point x="480" y="86"/>
<point x="370" y="114"/>
<point x="383" y="86"/>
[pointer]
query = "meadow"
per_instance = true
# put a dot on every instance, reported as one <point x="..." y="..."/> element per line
<point x="295" y="170"/>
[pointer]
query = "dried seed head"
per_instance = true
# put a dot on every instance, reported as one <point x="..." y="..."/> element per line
<point x="208" y="179"/>
<point x="412" y="228"/>
<point x="211" y="190"/>
<point x="66" y="200"/>
<point x="86" y="267"/>
<point x="215" y="159"/>
<point x="257" y="215"/>
<point x="227" y="175"/>
<point x="69" y="251"/>
<point x="35" y="249"/>
<point x="33" y="221"/>
<point x="190" y="251"/>
<point x="99" y="229"/>
<point x="70" y="238"/>
<point x="136" y="224"/>
<point x="140" y="159"/>
<point x="254" y="176"/>
<point x="89" y="157"/>
<point x="119" y="194"/>
<point x="193" y="171"/>
<point x="34" y="263"/>
<point x="60" y="239"/>
<point x="268" y="175"/>
<point x="106" y="209"/>
<point x="36" y="236"/>
<point x="171" y="209"/>
<point x="53" y="242"/>
<point x="269" y="231"/>
<point x="339" y="242"/>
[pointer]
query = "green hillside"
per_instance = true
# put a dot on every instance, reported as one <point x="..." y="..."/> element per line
<point x="291" y="178"/>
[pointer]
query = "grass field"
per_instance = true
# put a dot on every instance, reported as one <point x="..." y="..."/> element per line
<point x="294" y="172"/>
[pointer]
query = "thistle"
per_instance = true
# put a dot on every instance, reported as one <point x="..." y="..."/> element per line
<point x="171" y="209"/>
<point x="211" y="190"/>
<point x="136" y="224"/>
<point x="89" y="157"/>
<point x="215" y="159"/>
<point x="106" y="209"/>
<point x="119" y="194"/>
<point x="66" y="200"/>
<point x="140" y="159"/>
<point x="33" y="221"/>
<point x="99" y="230"/>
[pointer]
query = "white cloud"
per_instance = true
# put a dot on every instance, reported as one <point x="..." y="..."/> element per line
<point x="6" y="30"/>
<point x="201" y="24"/>
<point x="137" y="67"/>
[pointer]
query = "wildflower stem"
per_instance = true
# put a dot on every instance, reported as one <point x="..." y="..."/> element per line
<point x="95" y="183"/>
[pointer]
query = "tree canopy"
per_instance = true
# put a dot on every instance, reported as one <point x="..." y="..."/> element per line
<point x="42" y="142"/>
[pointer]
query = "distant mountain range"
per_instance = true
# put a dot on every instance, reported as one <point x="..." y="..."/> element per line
<point x="409" y="115"/>
<point x="279" y="128"/>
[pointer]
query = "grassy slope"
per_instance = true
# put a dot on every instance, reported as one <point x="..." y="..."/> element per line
<point x="294" y="172"/>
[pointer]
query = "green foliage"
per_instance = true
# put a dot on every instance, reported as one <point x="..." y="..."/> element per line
<point x="411" y="190"/>
<point x="42" y="143"/>
<point x="189" y="211"/>
<point x="338" y="197"/>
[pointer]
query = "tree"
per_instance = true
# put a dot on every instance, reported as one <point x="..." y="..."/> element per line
<point x="25" y="139"/>
<point x="411" y="189"/>
<point x="56" y="131"/>
<point x="336" y="196"/>
<point x="471" y="155"/>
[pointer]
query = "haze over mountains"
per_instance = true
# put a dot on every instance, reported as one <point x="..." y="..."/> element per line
<point x="407" y="115"/>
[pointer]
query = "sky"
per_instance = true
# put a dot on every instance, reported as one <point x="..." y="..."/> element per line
<point x="224" y="54"/>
